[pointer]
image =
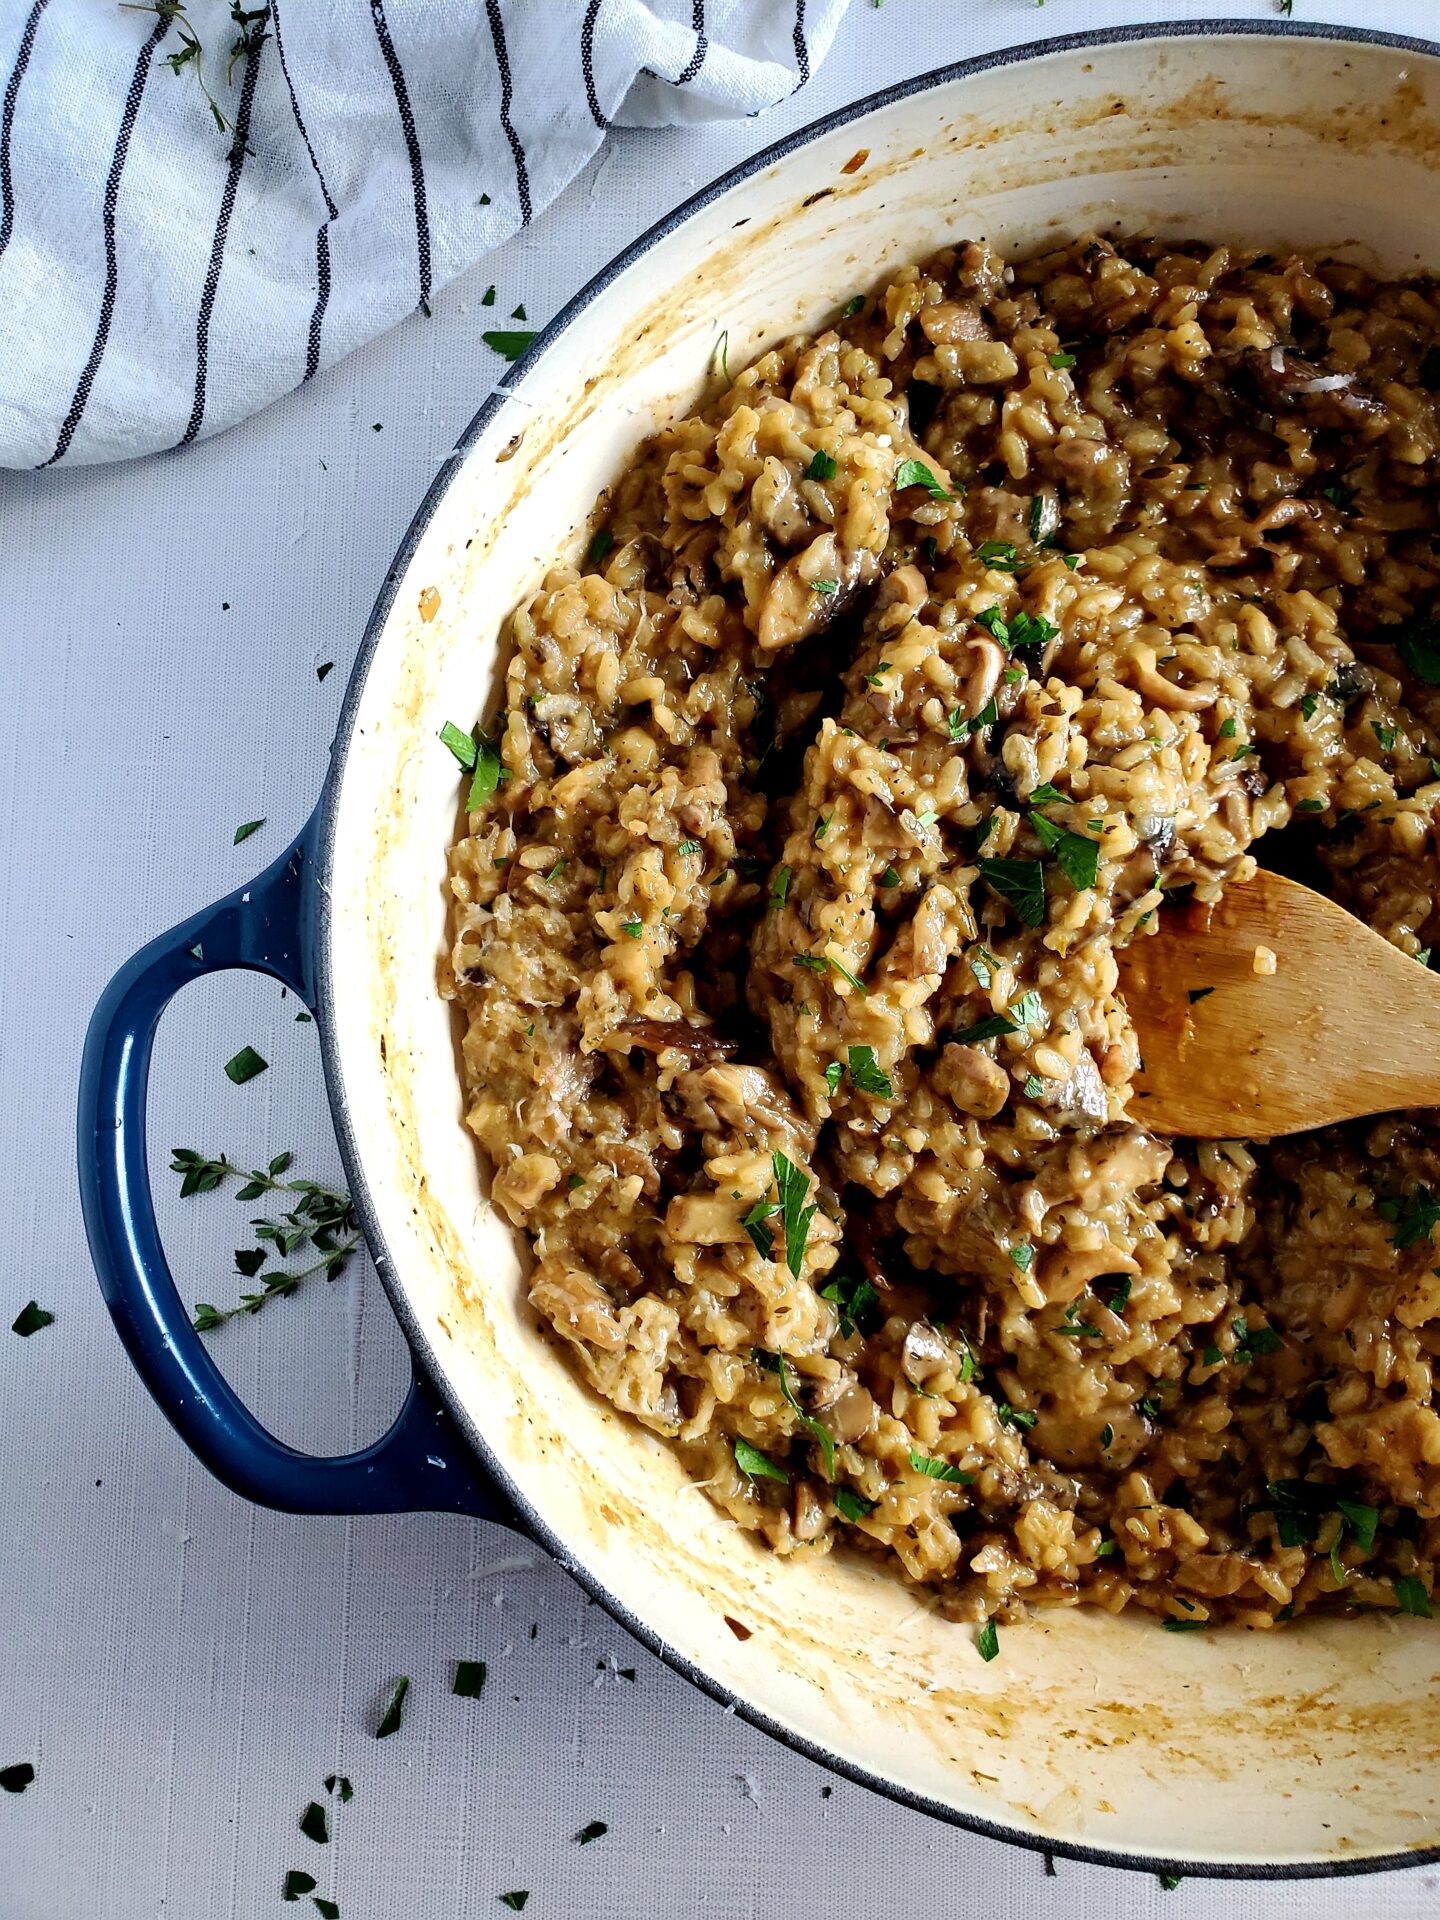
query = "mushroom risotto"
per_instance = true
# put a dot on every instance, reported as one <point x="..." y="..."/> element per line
<point x="899" y="685"/>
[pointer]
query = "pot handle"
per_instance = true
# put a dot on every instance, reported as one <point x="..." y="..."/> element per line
<point x="422" y="1463"/>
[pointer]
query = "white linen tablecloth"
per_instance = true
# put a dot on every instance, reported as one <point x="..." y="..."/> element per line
<point x="182" y="1669"/>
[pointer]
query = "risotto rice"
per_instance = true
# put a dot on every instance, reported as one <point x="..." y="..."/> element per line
<point x="901" y="684"/>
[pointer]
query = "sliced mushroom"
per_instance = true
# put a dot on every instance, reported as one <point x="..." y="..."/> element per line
<point x="704" y="1219"/>
<point x="810" y="590"/>
<point x="845" y="1409"/>
<point x="1153" y="684"/>
<point x="977" y="1084"/>
<point x="1065" y="1272"/>
<point x="952" y="321"/>
<point x="659" y="1036"/>
<point x="982" y="682"/>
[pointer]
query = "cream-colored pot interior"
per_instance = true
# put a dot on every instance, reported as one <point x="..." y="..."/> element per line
<point x="1316" y="1744"/>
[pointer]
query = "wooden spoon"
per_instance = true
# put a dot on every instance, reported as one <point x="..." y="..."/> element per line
<point x="1345" y="1025"/>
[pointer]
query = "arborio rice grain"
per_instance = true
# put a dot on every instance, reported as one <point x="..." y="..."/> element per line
<point x="901" y="684"/>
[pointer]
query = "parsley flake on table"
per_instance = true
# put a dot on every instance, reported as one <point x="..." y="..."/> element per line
<point x="393" y="1717"/>
<point x="342" y="1782"/>
<point x="245" y="1065"/>
<point x="915" y="473"/>
<point x="17" y="1778"/>
<point x="756" y="1465"/>
<point x="509" y="343"/>
<point x="515" y="1901"/>
<point x="469" y="1681"/>
<point x="1020" y="883"/>
<point x="244" y="832"/>
<point x="30" y="1319"/>
<point x="314" y="1825"/>
<point x="987" y="1641"/>
<point x="327" y="1909"/>
<point x="297" y="1884"/>
<point x="592" y="1830"/>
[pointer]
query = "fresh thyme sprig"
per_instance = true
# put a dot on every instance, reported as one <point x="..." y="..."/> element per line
<point x="251" y="24"/>
<point x="322" y="1217"/>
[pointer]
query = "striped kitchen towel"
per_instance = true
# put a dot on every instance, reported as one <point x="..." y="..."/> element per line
<point x="203" y="202"/>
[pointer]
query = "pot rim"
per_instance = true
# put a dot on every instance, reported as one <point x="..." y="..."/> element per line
<point x="421" y="1346"/>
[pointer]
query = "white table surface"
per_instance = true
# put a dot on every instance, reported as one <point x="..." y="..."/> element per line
<point x="184" y="1669"/>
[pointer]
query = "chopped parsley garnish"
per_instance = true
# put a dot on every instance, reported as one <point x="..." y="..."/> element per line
<point x="1384" y="734"/>
<point x="993" y="621"/>
<point x="1411" y="1597"/>
<point x="1027" y="1010"/>
<point x="890" y="878"/>
<point x="1185" y="1626"/>
<point x="1200" y="993"/>
<point x="981" y="961"/>
<point x="822" y="827"/>
<point x="17" y="1778"/>
<point x="779" y="886"/>
<point x="245" y="1065"/>
<point x="756" y="1465"/>
<point x="1249" y="1346"/>
<point x="915" y="473"/>
<point x="688" y="846"/>
<point x="1362" y="1520"/>
<point x="1338" y="494"/>
<point x="469" y="1681"/>
<point x="1077" y="1329"/>
<point x="990" y="1028"/>
<point x="1021" y="884"/>
<point x="1107" y="1436"/>
<point x="515" y="1901"/>
<point x="558" y="868"/>
<point x="297" y="1884"/>
<point x="852" y="306"/>
<point x="825" y="587"/>
<point x="987" y="1641"/>
<point x="874" y="679"/>
<point x="592" y="1830"/>
<point x="961" y="728"/>
<point x="1227" y="728"/>
<point x="856" y="1303"/>
<point x="1016" y="1418"/>
<point x="601" y="543"/>
<point x="851" y="1505"/>
<point x="394" y="1714"/>
<point x="1034" y="1086"/>
<point x="244" y="832"/>
<point x="313" y="1824"/>
<point x="1022" y="1254"/>
<point x="812" y="1427"/>
<point x="1149" y="1406"/>
<point x="866" y="1074"/>
<point x="1308" y="706"/>
<point x="632" y="928"/>
<point x="1077" y="857"/>
<point x="792" y="1184"/>
<point x="1045" y="795"/>
<point x="1309" y="806"/>
<point x="1060" y="361"/>
<point x="939" y="1469"/>
<point x="1212" y="1357"/>
<point x="30" y="1319"/>
<point x="1031" y="630"/>
<point x="997" y="554"/>
<point x="821" y="467"/>
<point x="1419" y="648"/>
<point x="1413" y="1216"/>
<point x="833" y="1075"/>
<point x="508" y="342"/>
<point x="822" y="963"/>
